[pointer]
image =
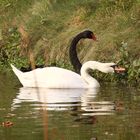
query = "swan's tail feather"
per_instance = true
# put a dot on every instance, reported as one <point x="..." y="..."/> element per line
<point x="16" y="71"/>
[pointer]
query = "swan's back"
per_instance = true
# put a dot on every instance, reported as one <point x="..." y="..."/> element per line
<point x="50" y="77"/>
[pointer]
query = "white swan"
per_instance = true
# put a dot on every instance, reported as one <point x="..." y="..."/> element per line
<point x="54" y="77"/>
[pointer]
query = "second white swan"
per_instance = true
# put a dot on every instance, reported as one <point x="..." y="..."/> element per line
<point x="54" y="77"/>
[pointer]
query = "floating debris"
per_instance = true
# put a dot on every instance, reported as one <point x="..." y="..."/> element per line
<point x="7" y="124"/>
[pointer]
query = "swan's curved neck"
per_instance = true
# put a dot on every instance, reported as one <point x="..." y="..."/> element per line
<point x="92" y="82"/>
<point x="73" y="54"/>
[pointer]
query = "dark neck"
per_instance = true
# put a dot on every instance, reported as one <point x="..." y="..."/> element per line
<point x="73" y="54"/>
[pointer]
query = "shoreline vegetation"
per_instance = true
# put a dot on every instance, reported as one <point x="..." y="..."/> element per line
<point x="40" y="32"/>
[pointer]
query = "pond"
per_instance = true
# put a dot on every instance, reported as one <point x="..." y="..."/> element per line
<point x="109" y="113"/>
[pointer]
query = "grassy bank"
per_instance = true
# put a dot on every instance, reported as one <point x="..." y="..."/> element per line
<point x="45" y="28"/>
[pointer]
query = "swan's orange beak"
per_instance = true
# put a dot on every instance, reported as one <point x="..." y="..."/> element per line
<point x="94" y="37"/>
<point x="119" y="69"/>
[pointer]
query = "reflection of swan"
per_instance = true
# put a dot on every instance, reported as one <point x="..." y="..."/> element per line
<point x="53" y="98"/>
<point x="64" y="99"/>
<point x="54" y="77"/>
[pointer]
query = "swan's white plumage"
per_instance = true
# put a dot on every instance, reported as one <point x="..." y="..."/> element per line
<point x="50" y="77"/>
<point x="54" y="77"/>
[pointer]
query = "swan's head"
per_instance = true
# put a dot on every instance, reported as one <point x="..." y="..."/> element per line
<point x="110" y="68"/>
<point x="88" y="34"/>
<point x="103" y="67"/>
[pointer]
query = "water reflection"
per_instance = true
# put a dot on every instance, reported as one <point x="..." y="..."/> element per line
<point x="92" y="107"/>
<point x="64" y="99"/>
<point x="52" y="99"/>
<point x="79" y="120"/>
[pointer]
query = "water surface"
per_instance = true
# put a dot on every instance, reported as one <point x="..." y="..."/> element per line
<point x="110" y="113"/>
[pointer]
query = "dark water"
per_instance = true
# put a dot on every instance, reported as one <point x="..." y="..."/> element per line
<point x="111" y="113"/>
